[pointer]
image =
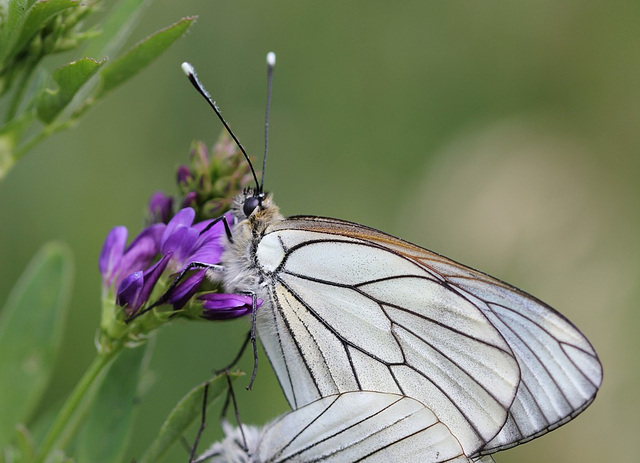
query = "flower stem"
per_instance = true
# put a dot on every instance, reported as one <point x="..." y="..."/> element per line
<point x="23" y="82"/>
<point x="68" y="409"/>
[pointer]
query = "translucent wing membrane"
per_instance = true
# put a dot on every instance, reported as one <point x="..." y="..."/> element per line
<point x="355" y="309"/>
<point x="351" y="427"/>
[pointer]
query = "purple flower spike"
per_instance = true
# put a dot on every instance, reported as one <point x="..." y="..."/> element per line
<point x="226" y="306"/>
<point x="160" y="207"/>
<point x="111" y="254"/>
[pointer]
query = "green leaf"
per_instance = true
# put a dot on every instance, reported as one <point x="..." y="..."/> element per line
<point x="183" y="415"/>
<point x="16" y="12"/>
<point x="33" y="21"/>
<point x="105" y="433"/>
<point x="116" y="28"/>
<point x="70" y="78"/>
<point x="141" y="55"/>
<point x="31" y="325"/>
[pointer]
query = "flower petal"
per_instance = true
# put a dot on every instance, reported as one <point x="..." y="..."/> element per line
<point x="183" y="175"/>
<point x="151" y="276"/>
<point x="141" y="252"/>
<point x="183" y="218"/>
<point x="218" y="306"/>
<point x="111" y="254"/>
<point x="180" y="243"/>
<point x="160" y="207"/>
<point x="225" y="314"/>
<point x="190" y="199"/>
<point x="209" y="247"/>
<point x="186" y="289"/>
<point x="128" y="295"/>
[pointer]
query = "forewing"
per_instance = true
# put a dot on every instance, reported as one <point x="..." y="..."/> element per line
<point x="560" y="370"/>
<point x="351" y="315"/>
<point x="360" y="426"/>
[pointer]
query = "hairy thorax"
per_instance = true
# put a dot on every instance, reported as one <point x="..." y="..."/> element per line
<point x="242" y="271"/>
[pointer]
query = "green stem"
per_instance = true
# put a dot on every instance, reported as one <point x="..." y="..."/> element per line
<point x="46" y="132"/>
<point x="70" y="406"/>
<point x="24" y="148"/>
<point x="19" y="91"/>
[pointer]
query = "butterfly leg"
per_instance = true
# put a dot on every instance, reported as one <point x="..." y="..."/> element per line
<point x="251" y="336"/>
<point x="230" y="399"/>
<point x="231" y="364"/>
<point x="227" y="228"/>
<point x="203" y="423"/>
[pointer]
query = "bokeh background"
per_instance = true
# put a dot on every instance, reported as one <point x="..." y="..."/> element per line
<point x="502" y="134"/>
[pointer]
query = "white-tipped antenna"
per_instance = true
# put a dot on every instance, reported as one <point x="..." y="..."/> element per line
<point x="271" y="62"/>
<point x="191" y="74"/>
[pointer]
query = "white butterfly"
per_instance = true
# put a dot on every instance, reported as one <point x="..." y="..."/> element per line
<point x="354" y="426"/>
<point x="347" y="308"/>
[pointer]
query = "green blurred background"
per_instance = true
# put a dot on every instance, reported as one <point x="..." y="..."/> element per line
<point x="501" y="134"/>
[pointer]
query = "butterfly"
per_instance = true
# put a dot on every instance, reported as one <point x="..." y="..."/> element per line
<point x="354" y="426"/>
<point x="350" y="308"/>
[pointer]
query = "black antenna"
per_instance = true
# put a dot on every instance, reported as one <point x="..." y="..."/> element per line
<point x="271" y="62"/>
<point x="191" y="74"/>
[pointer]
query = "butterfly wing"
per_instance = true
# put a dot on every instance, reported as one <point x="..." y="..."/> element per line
<point x="560" y="370"/>
<point x="354" y="308"/>
<point x="348" y="314"/>
<point x="360" y="426"/>
<point x="354" y="426"/>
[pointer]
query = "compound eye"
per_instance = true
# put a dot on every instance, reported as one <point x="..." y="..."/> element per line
<point x="250" y="205"/>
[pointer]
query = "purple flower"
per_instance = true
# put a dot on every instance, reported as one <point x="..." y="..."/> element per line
<point x="160" y="250"/>
<point x="190" y="199"/>
<point x="160" y="207"/>
<point x="200" y="242"/>
<point x="189" y="243"/>
<point x="111" y="254"/>
<point x="116" y="262"/>
<point x="226" y="306"/>
<point x="183" y="175"/>
<point x="136" y="288"/>
<point x="186" y="289"/>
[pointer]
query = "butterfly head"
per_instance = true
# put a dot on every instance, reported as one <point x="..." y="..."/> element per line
<point x="251" y="202"/>
<point x="253" y="205"/>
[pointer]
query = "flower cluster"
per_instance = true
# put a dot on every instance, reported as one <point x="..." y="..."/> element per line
<point x="159" y="248"/>
<point x="167" y="263"/>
